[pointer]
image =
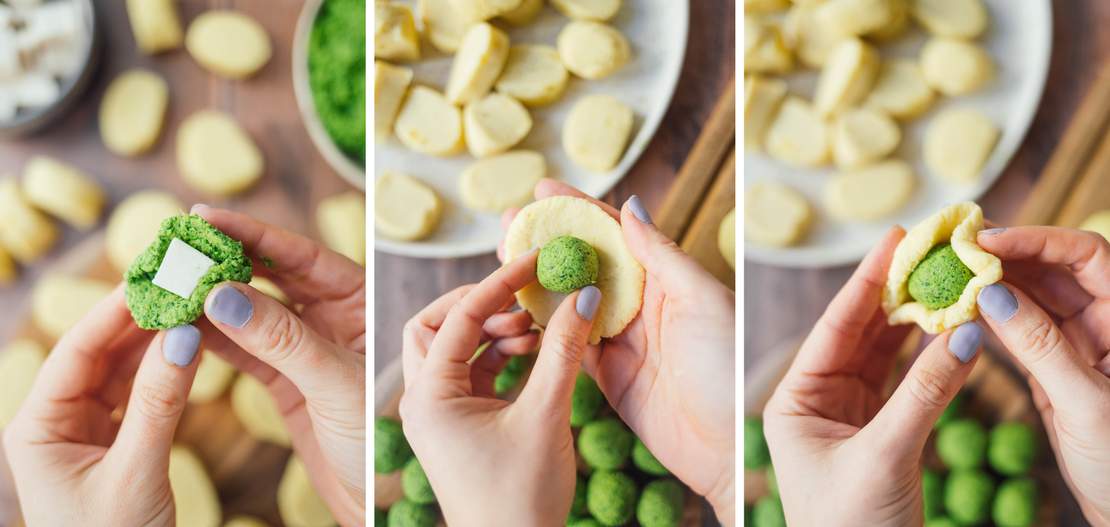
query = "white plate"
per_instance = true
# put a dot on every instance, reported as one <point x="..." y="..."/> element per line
<point x="656" y="29"/>
<point x="1020" y="41"/>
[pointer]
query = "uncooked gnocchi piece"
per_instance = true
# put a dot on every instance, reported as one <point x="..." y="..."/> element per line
<point x="428" y="123"/>
<point x="765" y="49"/>
<point x="342" y="223"/>
<point x="20" y="361"/>
<point x="870" y="193"/>
<point x="478" y="63"/>
<point x="775" y="214"/>
<point x="951" y="18"/>
<point x="592" y="50"/>
<point x="1098" y="222"/>
<point x="228" y="43"/>
<point x="59" y="301"/>
<point x="155" y="25"/>
<point x="900" y="90"/>
<point x="215" y="155"/>
<point x="298" y="502"/>
<point x="810" y="40"/>
<point x="597" y="10"/>
<point x="898" y="24"/>
<point x="194" y="495"/>
<point x="798" y="135"/>
<point x="24" y="231"/>
<point x="502" y="181"/>
<point x="534" y="75"/>
<point x="863" y="136"/>
<point x="762" y="98"/>
<point x="134" y="224"/>
<point x="63" y="191"/>
<point x="958" y="143"/>
<point x="405" y="208"/>
<point x="596" y="132"/>
<point x="524" y="14"/>
<point x="726" y="238"/>
<point x="213" y="376"/>
<point x="494" y="124"/>
<point x="847" y="77"/>
<point x="484" y="9"/>
<point x="257" y="411"/>
<point x="443" y="25"/>
<point x="954" y="67"/>
<point x="132" y="112"/>
<point x="856" y="17"/>
<point x="395" y="36"/>
<point x="390" y="85"/>
<point x="8" y="272"/>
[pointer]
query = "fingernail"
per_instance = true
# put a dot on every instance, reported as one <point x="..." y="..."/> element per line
<point x="589" y="298"/>
<point x="231" y="307"/>
<point x="964" y="342"/>
<point x="638" y="209"/>
<point x="197" y="208"/>
<point x="998" y="302"/>
<point x="994" y="231"/>
<point x="180" y="345"/>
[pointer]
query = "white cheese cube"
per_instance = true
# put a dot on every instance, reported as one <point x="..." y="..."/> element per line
<point x="181" y="269"/>
<point x="10" y="66"/>
<point x="49" y="24"/>
<point x="8" y="107"/>
<point x="35" y="90"/>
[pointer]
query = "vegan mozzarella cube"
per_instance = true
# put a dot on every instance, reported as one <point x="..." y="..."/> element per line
<point x="181" y="269"/>
<point x="35" y="90"/>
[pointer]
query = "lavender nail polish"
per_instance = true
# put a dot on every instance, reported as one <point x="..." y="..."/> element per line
<point x="998" y="302"/>
<point x="993" y="232"/>
<point x="589" y="298"/>
<point x="230" y="306"/>
<point x="180" y="345"/>
<point x="638" y="209"/>
<point x="964" y="342"/>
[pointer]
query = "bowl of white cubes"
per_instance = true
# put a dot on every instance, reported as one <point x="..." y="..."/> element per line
<point x="49" y="50"/>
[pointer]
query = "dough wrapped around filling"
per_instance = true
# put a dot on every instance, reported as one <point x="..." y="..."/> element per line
<point x="924" y="245"/>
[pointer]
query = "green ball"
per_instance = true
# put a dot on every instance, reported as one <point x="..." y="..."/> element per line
<point x="583" y="522"/>
<point x="1015" y="504"/>
<point x="962" y="444"/>
<point x="578" y="506"/>
<point x="405" y="513"/>
<point x="940" y="278"/>
<point x="772" y="481"/>
<point x="566" y="264"/>
<point x="391" y="449"/>
<point x="585" y="401"/>
<point x="645" y="460"/>
<point x="414" y="482"/>
<point x="611" y="497"/>
<point x="605" y="444"/>
<point x="943" y="521"/>
<point x="1012" y="448"/>
<point x="756" y="455"/>
<point x="951" y="412"/>
<point x="660" y="504"/>
<point x="510" y="375"/>
<point x="967" y="496"/>
<point x="932" y="490"/>
<point x="381" y="517"/>
<point x="768" y="513"/>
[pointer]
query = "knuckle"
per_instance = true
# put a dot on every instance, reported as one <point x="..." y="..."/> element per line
<point x="1041" y="339"/>
<point x="568" y="347"/>
<point x="929" y="388"/>
<point x="160" y="401"/>
<point x="282" y="335"/>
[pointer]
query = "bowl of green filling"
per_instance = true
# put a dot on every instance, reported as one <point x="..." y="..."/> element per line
<point x="329" y="80"/>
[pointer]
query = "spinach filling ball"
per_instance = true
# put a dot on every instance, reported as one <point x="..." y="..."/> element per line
<point x="566" y="264"/>
<point x="153" y="307"/>
<point x="939" y="280"/>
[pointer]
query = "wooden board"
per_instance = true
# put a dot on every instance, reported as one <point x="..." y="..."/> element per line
<point x="701" y="237"/>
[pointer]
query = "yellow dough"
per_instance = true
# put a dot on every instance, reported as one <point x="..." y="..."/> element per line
<point x="534" y="75"/>
<point x="494" y="124"/>
<point x="1098" y="222"/>
<point x="955" y="224"/>
<point x="256" y="409"/>
<point x="810" y="40"/>
<point x="443" y="25"/>
<point x="863" y="136"/>
<point x="898" y="25"/>
<point x="596" y="132"/>
<point x="954" y="67"/>
<point x="228" y="43"/>
<point x="214" y="375"/>
<point x="951" y="18"/>
<point x="726" y="238"/>
<point x="870" y="193"/>
<point x="390" y="85"/>
<point x="245" y="521"/>
<point x="194" y="496"/>
<point x="620" y="276"/>
<point x="342" y="223"/>
<point x="765" y="6"/>
<point x="395" y="36"/>
<point x="847" y="77"/>
<point x="134" y="224"/>
<point x="592" y="50"/>
<point x="765" y="49"/>
<point x="24" y="231"/>
<point x="479" y="61"/>
<point x="132" y="112"/>
<point x="428" y="123"/>
<point x="598" y="10"/>
<point x="215" y="155"/>
<point x="405" y="208"/>
<point x="958" y="143"/>
<point x="59" y="302"/>
<point x="20" y="361"/>
<point x="8" y="272"/>
<point x="798" y="135"/>
<point x="775" y="214"/>
<point x="484" y="9"/>
<point x="524" y="14"/>
<point x="63" y="191"/>
<point x="155" y="25"/>
<point x="856" y="17"/>
<point x="270" y="289"/>
<point x="503" y="181"/>
<point x="762" y="99"/>
<point x="900" y="90"/>
<point x="298" y="502"/>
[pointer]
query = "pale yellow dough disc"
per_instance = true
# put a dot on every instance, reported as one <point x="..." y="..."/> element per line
<point x="395" y="36"/>
<point x="132" y="112"/>
<point x="155" y="24"/>
<point x="726" y="238"/>
<point x="507" y="180"/>
<point x="404" y="207"/>
<point x="214" y="375"/>
<point x="954" y="67"/>
<point x="257" y="410"/>
<point x="134" y="224"/>
<point x="599" y="10"/>
<point x="215" y="155"/>
<point x="900" y="90"/>
<point x="956" y="224"/>
<point x="762" y="98"/>
<point x="592" y="50"/>
<point x="870" y="193"/>
<point x="620" y="277"/>
<point x="798" y="135"/>
<point x="228" y="43"/>
<point x="958" y="143"/>
<point x="856" y="17"/>
<point x="596" y="132"/>
<point x="298" y="502"/>
<point x="444" y="26"/>
<point x="951" y="18"/>
<point x="534" y="74"/>
<point x="862" y="136"/>
<point x="775" y="214"/>
<point x="765" y="48"/>
<point x="847" y="77"/>
<point x="1098" y="222"/>
<point x="63" y="191"/>
<point x="477" y="64"/>
<point x="524" y="14"/>
<point x="391" y="83"/>
<point x="20" y="361"/>
<point x="58" y="302"/>
<point x="484" y="9"/>
<point x="342" y="223"/>
<point x="494" y="124"/>
<point x="25" y="232"/>
<point x="195" y="500"/>
<point x="810" y="40"/>
<point x="428" y="123"/>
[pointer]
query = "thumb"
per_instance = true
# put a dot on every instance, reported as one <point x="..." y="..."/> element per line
<point x="560" y="358"/>
<point x="675" y="270"/>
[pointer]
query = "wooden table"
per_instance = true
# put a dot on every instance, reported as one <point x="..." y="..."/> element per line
<point x="405" y="285"/>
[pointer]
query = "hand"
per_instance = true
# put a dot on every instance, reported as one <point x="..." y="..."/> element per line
<point x="489" y="461"/>
<point x="670" y="374"/>
<point x="843" y="455"/>
<point x="1054" y="318"/>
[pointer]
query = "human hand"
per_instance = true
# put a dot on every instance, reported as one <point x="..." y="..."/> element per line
<point x="1053" y="316"/>
<point x="843" y="455"/>
<point x="489" y="461"/>
<point x="670" y="374"/>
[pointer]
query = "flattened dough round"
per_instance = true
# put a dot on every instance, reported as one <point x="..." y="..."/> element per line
<point x="58" y="302"/>
<point x="592" y="50"/>
<point x="862" y="136"/>
<point x="533" y="74"/>
<point x="599" y="10"/>
<point x="951" y="18"/>
<point x="298" y="502"/>
<point x="135" y="222"/>
<point x="775" y="214"/>
<point x="215" y="155"/>
<point x="257" y="410"/>
<point x="900" y="90"/>
<point x="404" y="207"/>
<point x="132" y="112"/>
<point x="870" y="193"/>
<point x="194" y="496"/>
<point x="958" y="143"/>
<point x="214" y="375"/>
<point x="428" y="123"/>
<point x="596" y="132"/>
<point x="620" y="277"/>
<point x="954" y="67"/>
<point x="20" y="361"/>
<point x="342" y="222"/>
<point x="798" y="135"/>
<point x="503" y="181"/>
<point x="228" y="43"/>
<point x="494" y="123"/>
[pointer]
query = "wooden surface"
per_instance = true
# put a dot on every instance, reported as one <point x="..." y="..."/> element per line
<point x="406" y="285"/>
<point x="701" y="237"/>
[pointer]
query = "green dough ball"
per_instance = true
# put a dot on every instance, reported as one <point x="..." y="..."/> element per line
<point x="605" y="444"/>
<point x="415" y="483"/>
<point x="566" y="264"/>
<point x="511" y="374"/>
<point x="772" y="481"/>
<point x="768" y="513"/>
<point x="940" y="278"/>
<point x="645" y="460"/>
<point x="951" y="412"/>
<point x="967" y="496"/>
<point x="381" y="517"/>
<point x="1015" y="505"/>
<point x="1012" y="449"/>
<point x="405" y="513"/>
<point x="155" y="308"/>
<point x="583" y="522"/>
<point x="337" y="73"/>
<point x="660" y="504"/>
<point x="932" y="490"/>
<point x="962" y="444"/>
<point x="756" y="455"/>
<point x="611" y="497"/>
<point x="943" y="521"/>
<point x="578" y="506"/>
<point x="391" y="449"/>
<point x="586" y="400"/>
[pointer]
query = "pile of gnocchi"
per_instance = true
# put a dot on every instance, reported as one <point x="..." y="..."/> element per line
<point x="484" y="105"/>
<point x="861" y="102"/>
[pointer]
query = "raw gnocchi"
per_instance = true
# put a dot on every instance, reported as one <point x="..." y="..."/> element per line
<point x="155" y="25"/>
<point x="900" y="90"/>
<point x="63" y="191"/>
<point x="24" y="231"/>
<point x="863" y="136"/>
<point x="592" y="50"/>
<point x="503" y="181"/>
<point x="958" y="143"/>
<point x="775" y="214"/>
<point x="477" y="64"/>
<point x="798" y="135"/>
<point x="870" y="193"/>
<point x="391" y="83"/>
<point x="954" y="67"/>
<point x="429" y="123"/>
<point x="342" y="223"/>
<point x="847" y="76"/>
<point x="596" y="132"/>
<point x="534" y="75"/>
<point x="404" y="207"/>
<point x="494" y="124"/>
<point x="215" y="155"/>
<point x="228" y="43"/>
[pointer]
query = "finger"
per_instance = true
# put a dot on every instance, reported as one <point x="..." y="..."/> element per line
<point x="1086" y="254"/>
<point x="519" y="345"/>
<point x="676" y="271"/>
<point x="420" y="331"/>
<point x="551" y="187"/>
<point x="560" y="357"/>
<point x="1094" y="320"/>
<point x="504" y="325"/>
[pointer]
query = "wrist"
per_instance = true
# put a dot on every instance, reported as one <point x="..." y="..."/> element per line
<point x="722" y="497"/>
